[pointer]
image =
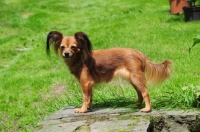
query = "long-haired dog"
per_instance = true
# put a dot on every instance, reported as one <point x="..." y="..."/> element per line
<point x="92" y="67"/>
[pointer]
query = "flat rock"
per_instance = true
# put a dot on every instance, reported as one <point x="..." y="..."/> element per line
<point x="113" y="120"/>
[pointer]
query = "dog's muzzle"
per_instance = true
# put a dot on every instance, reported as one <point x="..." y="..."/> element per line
<point x="66" y="55"/>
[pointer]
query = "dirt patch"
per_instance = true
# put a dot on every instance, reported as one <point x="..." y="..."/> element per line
<point x="58" y="90"/>
<point x="26" y="14"/>
<point x="4" y="117"/>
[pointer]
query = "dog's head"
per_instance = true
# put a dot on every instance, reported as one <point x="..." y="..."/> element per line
<point x="69" y="46"/>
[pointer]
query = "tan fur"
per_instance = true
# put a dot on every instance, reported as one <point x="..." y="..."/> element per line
<point x="92" y="67"/>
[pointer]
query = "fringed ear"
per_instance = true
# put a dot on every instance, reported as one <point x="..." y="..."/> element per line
<point x="86" y="48"/>
<point x="53" y="37"/>
<point x="84" y="44"/>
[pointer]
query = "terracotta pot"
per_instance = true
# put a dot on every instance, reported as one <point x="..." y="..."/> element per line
<point x="176" y="6"/>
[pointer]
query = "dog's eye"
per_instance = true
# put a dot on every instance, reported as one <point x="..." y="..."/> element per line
<point x="73" y="47"/>
<point x="62" y="47"/>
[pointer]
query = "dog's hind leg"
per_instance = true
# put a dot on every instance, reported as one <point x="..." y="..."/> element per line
<point x="139" y="83"/>
<point x="140" y="98"/>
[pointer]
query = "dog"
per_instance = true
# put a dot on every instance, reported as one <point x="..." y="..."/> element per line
<point x="91" y="67"/>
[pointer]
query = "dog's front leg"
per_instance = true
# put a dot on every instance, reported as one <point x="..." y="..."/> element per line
<point x="87" y="98"/>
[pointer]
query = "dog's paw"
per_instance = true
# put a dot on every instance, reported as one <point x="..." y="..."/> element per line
<point x="80" y="110"/>
<point x="146" y="110"/>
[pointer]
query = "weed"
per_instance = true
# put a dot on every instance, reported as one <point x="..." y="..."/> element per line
<point x="196" y="41"/>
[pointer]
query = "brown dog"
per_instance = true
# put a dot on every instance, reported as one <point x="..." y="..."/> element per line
<point x="91" y="67"/>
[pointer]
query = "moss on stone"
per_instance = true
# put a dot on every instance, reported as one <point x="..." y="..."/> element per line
<point x="196" y="126"/>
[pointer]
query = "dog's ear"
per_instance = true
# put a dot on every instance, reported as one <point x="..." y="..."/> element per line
<point x="54" y="37"/>
<point x="84" y="44"/>
<point x="86" y="48"/>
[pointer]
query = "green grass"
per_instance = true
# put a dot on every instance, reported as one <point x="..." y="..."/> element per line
<point x="32" y="86"/>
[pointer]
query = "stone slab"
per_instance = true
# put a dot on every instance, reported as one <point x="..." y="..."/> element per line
<point x="105" y="120"/>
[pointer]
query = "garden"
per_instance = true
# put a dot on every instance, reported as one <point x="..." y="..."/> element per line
<point x="32" y="85"/>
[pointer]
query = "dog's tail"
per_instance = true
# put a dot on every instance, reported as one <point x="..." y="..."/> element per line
<point x="157" y="72"/>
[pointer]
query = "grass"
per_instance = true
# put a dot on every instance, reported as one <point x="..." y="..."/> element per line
<point x="32" y="86"/>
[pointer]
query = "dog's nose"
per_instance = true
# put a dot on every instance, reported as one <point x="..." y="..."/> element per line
<point x="66" y="54"/>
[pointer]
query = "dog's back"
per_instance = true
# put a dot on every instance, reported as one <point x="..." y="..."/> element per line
<point x="124" y="61"/>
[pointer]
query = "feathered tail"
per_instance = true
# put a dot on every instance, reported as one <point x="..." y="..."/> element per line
<point x="157" y="72"/>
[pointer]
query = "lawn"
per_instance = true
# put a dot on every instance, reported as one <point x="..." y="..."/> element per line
<point x="32" y="85"/>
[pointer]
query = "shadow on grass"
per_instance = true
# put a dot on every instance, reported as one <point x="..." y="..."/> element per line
<point x="176" y="18"/>
<point x="117" y="103"/>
